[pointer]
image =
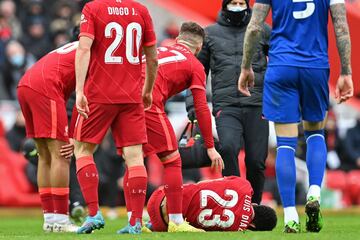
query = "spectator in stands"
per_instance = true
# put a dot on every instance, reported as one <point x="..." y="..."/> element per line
<point x="31" y="9"/>
<point x="64" y="9"/>
<point x="60" y="38"/>
<point x="36" y="40"/>
<point x="17" y="135"/>
<point x="8" y="10"/>
<point x="5" y="29"/>
<point x="352" y="148"/>
<point x="17" y="62"/>
<point x="5" y="35"/>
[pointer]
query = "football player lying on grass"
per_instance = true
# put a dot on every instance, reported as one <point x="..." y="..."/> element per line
<point x="217" y="205"/>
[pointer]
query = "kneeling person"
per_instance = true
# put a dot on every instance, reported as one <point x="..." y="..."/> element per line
<point x="217" y="205"/>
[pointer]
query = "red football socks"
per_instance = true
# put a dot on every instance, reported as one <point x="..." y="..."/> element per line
<point x="87" y="175"/>
<point x="46" y="200"/>
<point x="137" y="182"/>
<point x="173" y="184"/>
<point x="61" y="200"/>
<point x="126" y="190"/>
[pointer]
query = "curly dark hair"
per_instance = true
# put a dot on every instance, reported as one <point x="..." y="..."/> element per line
<point x="265" y="218"/>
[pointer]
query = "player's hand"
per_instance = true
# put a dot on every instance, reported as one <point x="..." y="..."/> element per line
<point x="82" y="105"/>
<point x="67" y="150"/>
<point x="246" y="80"/>
<point x="147" y="100"/>
<point x="217" y="162"/>
<point x="344" y="88"/>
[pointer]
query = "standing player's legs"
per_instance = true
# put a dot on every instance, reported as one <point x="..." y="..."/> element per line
<point x="281" y="105"/>
<point x="162" y="140"/>
<point x="230" y="130"/>
<point x="59" y="175"/>
<point x="136" y="182"/>
<point x="88" y="178"/>
<point x="44" y="183"/>
<point x="256" y="136"/>
<point x="314" y="104"/>
<point x="46" y="122"/>
<point x="88" y="133"/>
<point x="173" y="184"/>
<point x="286" y="172"/>
<point x="129" y="133"/>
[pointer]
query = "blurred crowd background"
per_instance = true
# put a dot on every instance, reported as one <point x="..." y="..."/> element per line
<point x="31" y="28"/>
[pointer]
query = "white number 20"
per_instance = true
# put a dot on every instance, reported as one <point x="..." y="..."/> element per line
<point x="119" y="35"/>
<point x="216" y="220"/>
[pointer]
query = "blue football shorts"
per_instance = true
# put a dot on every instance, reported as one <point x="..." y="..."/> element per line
<point x="292" y="94"/>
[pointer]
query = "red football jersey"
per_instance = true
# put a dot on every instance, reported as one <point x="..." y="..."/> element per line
<point x="219" y="205"/>
<point x="178" y="70"/>
<point x="119" y="28"/>
<point x="54" y="74"/>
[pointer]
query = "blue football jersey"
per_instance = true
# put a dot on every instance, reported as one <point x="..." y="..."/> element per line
<point x="300" y="35"/>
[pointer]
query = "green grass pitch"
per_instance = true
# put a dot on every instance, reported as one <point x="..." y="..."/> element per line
<point x="339" y="225"/>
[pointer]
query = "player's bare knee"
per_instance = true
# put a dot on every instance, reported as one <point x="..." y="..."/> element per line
<point x="82" y="149"/>
<point x="133" y="155"/>
<point x="313" y="126"/>
<point x="164" y="156"/>
<point x="43" y="151"/>
<point x="286" y="129"/>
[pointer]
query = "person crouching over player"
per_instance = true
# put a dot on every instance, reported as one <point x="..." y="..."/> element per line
<point x="217" y="205"/>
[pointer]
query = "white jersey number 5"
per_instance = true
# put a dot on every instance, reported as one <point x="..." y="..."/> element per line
<point x="119" y="35"/>
<point x="307" y="12"/>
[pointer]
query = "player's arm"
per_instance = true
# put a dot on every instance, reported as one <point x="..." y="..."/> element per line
<point x="252" y="38"/>
<point x="344" y="89"/>
<point x="151" y="58"/>
<point x="253" y="32"/>
<point x="151" y="71"/>
<point x="204" y="117"/>
<point x="82" y="60"/>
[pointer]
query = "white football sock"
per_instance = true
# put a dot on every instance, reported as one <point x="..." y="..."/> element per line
<point x="49" y="217"/>
<point x="314" y="190"/>
<point x="61" y="218"/>
<point x="176" y="218"/>
<point x="290" y="214"/>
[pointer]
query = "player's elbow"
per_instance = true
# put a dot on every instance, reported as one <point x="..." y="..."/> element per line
<point x="83" y="48"/>
<point x="253" y="30"/>
<point x="152" y="62"/>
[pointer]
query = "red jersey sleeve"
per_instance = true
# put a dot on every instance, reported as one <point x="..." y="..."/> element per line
<point x="87" y="23"/>
<point x="149" y="33"/>
<point x="198" y="78"/>
<point x="203" y="116"/>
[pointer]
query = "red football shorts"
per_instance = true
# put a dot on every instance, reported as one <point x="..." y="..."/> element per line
<point x="127" y="123"/>
<point x="161" y="135"/>
<point x="44" y="117"/>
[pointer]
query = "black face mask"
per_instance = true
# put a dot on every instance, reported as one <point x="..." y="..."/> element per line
<point x="238" y="19"/>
